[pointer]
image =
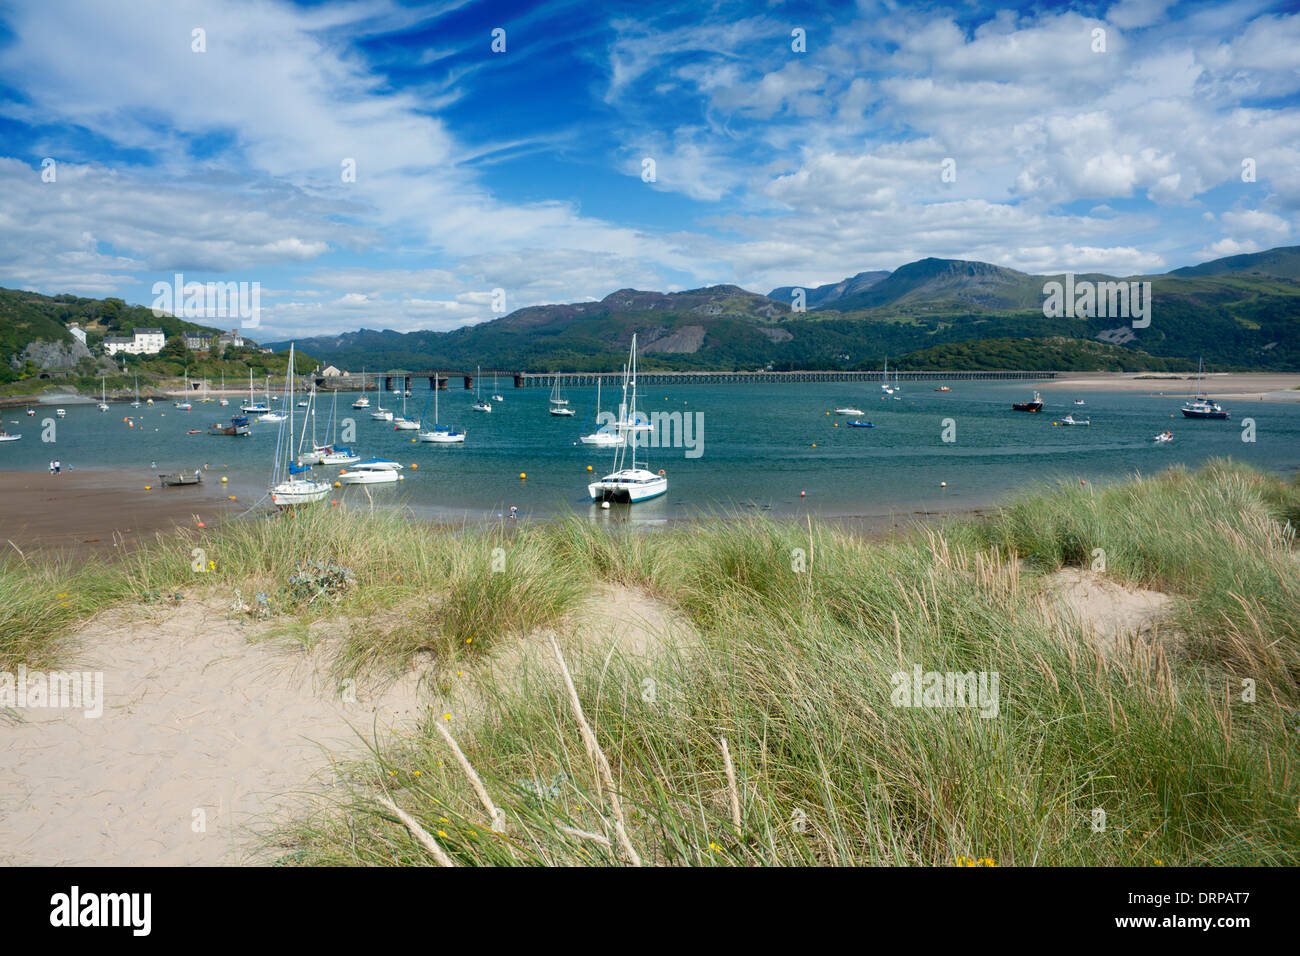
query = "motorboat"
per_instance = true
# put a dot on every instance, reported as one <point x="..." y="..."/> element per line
<point x="372" y="472"/>
<point x="849" y="411"/>
<point x="1036" y="405"/>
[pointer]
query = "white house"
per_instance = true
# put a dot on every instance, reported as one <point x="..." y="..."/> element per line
<point x="197" y="343"/>
<point x="329" y="371"/>
<point x="78" y="332"/>
<point x="141" y="342"/>
<point x="232" y="338"/>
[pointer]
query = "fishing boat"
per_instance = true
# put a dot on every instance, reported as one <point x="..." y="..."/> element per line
<point x="1036" y="405"/>
<point x="849" y="411"/>
<point x="31" y="413"/>
<point x="181" y="478"/>
<point x="103" y="395"/>
<point x="253" y="407"/>
<point x="239" y="425"/>
<point x="858" y="424"/>
<point x="363" y="401"/>
<point x="496" y="396"/>
<point x="627" y="482"/>
<point x="375" y="471"/>
<point x="5" y="436"/>
<point x="606" y="436"/>
<point x="136" y="403"/>
<point x="295" y="488"/>
<point x="1200" y="406"/>
<point x="1071" y="420"/>
<point x="439" y="434"/>
<point x="479" y="405"/>
<point x="1164" y="436"/>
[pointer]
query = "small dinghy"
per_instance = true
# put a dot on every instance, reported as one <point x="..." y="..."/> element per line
<point x="1165" y="436"/>
<point x="1071" y="420"/>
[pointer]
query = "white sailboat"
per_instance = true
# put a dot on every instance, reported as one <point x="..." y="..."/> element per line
<point x="136" y="403"/>
<point x="627" y="482"/>
<point x="884" y="378"/>
<point x="184" y="404"/>
<point x="363" y="401"/>
<point x="270" y="416"/>
<point x="560" y="404"/>
<point x="606" y="436"/>
<point x="401" y="423"/>
<point x="479" y="405"/>
<point x="496" y="396"/>
<point x="440" y="434"/>
<point x="380" y="414"/>
<point x="334" y="453"/>
<point x="295" y="488"/>
<point x="253" y="407"/>
<point x="103" y="394"/>
<point x="223" y="400"/>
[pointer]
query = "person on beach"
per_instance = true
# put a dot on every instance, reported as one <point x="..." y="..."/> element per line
<point x="58" y="466"/>
<point x="51" y="466"/>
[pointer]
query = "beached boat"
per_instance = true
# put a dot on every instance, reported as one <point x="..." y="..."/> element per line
<point x="376" y="471"/>
<point x="606" y="436"/>
<point x="181" y="478"/>
<point x="627" y="482"/>
<point x="295" y="488"/>
<point x="439" y="434"/>
<point x="1036" y="405"/>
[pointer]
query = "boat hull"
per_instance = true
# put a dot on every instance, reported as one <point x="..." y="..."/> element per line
<point x="1193" y="413"/>
<point x="289" y="493"/>
<point x="625" y="491"/>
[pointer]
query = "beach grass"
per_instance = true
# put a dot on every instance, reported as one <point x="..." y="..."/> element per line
<point x="773" y="732"/>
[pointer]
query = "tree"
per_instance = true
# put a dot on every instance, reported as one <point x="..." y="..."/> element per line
<point x="174" y="347"/>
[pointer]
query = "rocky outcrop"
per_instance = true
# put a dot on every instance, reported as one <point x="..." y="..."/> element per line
<point x="50" y="355"/>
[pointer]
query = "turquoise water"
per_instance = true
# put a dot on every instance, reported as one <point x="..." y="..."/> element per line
<point x="757" y="448"/>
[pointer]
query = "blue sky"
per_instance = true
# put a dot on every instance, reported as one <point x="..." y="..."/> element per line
<point x="523" y="170"/>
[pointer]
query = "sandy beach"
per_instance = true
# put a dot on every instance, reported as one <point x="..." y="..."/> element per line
<point x="99" y="512"/>
<point x="1245" y="386"/>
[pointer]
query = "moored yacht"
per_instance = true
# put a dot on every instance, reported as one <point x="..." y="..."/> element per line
<point x="628" y="482"/>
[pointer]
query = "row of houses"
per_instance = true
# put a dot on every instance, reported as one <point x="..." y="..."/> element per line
<point x="150" y="341"/>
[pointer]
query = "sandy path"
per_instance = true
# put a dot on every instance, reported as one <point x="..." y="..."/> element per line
<point x="194" y="718"/>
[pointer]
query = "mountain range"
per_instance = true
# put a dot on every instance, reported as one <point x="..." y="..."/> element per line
<point x="1241" y="312"/>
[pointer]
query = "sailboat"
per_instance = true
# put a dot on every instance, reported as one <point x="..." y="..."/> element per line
<point x="103" y="395"/>
<point x="253" y="407"/>
<point x="295" y="489"/>
<point x="560" y="404"/>
<point x="334" y="454"/>
<point x="136" y="403"/>
<point x="362" y="402"/>
<point x="318" y="451"/>
<point x="1200" y="406"/>
<point x="496" y="396"/>
<point x="382" y="414"/>
<point x="440" y="434"/>
<point x="884" y="378"/>
<point x="479" y="405"/>
<point x="606" y="436"/>
<point x="270" y="416"/>
<point x="627" y="482"/>
<point x="184" y="404"/>
<point x="223" y="400"/>
<point x="401" y="423"/>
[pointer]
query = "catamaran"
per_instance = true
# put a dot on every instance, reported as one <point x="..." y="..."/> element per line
<point x="479" y="405"/>
<point x="295" y="489"/>
<point x="606" y="436"/>
<point x="103" y="395"/>
<point x="560" y="404"/>
<point x="628" y="482"/>
<point x="253" y="407"/>
<point x="439" y="434"/>
<point x="1200" y="406"/>
<point x="363" y="401"/>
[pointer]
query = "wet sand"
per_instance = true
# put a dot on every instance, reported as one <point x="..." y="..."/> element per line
<point x="101" y="512"/>
<point x="1244" y="386"/>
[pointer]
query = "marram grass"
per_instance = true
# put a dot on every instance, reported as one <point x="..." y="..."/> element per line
<point x="1152" y="754"/>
